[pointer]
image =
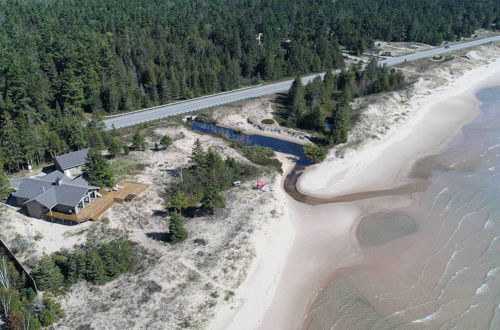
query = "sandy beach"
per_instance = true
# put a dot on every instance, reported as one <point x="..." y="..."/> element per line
<point x="319" y="240"/>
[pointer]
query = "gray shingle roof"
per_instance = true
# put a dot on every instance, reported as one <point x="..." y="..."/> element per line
<point x="80" y="181"/>
<point x="53" y="176"/>
<point x="72" y="159"/>
<point x="70" y="195"/>
<point x="31" y="187"/>
<point x="47" y="199"/>
<point x="48" y="193"/>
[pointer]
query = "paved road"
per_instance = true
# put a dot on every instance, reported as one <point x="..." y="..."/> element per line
<point x="164" y="111"/>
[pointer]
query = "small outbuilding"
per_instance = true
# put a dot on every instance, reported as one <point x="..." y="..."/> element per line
<point x="71" y="163"/>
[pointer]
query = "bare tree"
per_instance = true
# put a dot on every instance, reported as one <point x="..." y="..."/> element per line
<point x="5" y="301"/>
<point x="27" y="317"/>
<point x="4" y="274"/>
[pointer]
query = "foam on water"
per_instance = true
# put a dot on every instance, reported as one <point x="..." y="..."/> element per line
<point x="492" y="273"/>
<point x="482" y="289"/>
<point x="426" y="319"/>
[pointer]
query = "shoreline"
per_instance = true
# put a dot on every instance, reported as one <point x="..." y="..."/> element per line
<point x="351" y="175"/>
<point x="324" y="236"/>
<point x="475" y="80"/>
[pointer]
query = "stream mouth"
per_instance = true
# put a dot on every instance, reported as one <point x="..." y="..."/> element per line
<point x="297" y="150"/>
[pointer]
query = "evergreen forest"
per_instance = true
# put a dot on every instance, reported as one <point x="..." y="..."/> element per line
<point x="66" y="63"/>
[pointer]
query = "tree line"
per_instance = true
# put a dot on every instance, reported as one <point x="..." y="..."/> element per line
<point x="324" y="105"/>
<point x="95" y="262"/>
<point x="64" y="60"/>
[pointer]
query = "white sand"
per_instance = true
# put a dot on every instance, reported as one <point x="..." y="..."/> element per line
<point x="276" y="294"/>
<point x="382" y="164"/>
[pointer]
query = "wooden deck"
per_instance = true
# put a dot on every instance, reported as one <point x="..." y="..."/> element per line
<point x="100" y="205"/>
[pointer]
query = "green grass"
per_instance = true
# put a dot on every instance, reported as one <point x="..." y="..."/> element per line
<point x="125" y="166"/>
<point x="261" y="156"/>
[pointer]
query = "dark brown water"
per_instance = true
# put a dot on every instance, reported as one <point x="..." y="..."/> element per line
<point x="436" y="263"/>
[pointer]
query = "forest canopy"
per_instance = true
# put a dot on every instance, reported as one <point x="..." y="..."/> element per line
<point x="61" y="59"/>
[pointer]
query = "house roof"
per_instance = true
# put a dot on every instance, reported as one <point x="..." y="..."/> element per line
<point x="52" y="189"/>
<point x="70" y="195"/>
<point x="54" y="176"/>
<point x="47" y="199"/>
<point x="31" y="187"/>
<point x="80" y="181"/>
<point x="72" y="159"/>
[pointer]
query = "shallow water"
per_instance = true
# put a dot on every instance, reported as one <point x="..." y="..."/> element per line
<point x="283" y="146"/>
<point x="436" y="263"/>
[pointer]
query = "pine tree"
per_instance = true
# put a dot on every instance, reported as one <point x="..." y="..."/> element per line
<point x="177" y="233"/>
<point x="114" y="146"/>
<point x="95" y="270"/>
<point x="296" y="100"/>
<point x="11" y="143"/>
<point x="138" y="141"/>
<point x="212" y="198"/>
<point x="341" y="123"/>
<point x="5" y="188"/>
<point x="51" y="311"/>
<point x="179" y="201"/>
<point x="48" y="275"/>
<point x="97" y="170"/>
<point x="197" y="158"/>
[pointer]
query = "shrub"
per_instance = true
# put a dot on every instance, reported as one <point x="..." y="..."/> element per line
<point x="261" y="156"/>
<point x="229" y="295"/>
<point x="267" y="121"/>
<point x="315" y="152"/>
<point x="51" y="312"/>
<point x="200" y="241"/>
<point x="166" y="141"/>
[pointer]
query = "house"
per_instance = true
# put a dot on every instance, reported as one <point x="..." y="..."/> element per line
<point x="53" y="192"/>
<point x="71" y="163"/>
<point x="61" y="195"/>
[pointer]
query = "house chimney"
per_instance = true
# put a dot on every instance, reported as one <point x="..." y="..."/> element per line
<point x="58" y="181"/>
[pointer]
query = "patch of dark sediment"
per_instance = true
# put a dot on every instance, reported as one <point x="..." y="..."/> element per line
<point x="418" y="182"/>
<point x="341" y="306"/>
<point x="383" y="228"/>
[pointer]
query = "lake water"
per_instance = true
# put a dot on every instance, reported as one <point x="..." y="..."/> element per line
<point x="436" y="263"/>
